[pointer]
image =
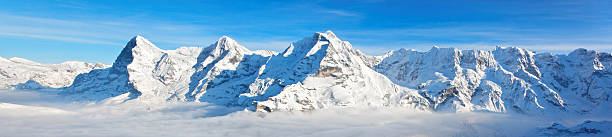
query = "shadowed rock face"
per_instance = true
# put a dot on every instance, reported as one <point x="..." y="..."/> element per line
<point x="114" y="81"/>
<point x="323" y="71"/>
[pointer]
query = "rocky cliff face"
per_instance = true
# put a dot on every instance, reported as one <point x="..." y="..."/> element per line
<point x="323" y="71"/>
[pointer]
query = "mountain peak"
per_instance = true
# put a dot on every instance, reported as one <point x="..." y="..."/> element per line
<point x="4" y="60"/>
<point x="329" y="33"/>
<point x="404" y="50"/>
<point x="21" y="60"/>
<point x="323" y="71"/>
<point x="139" y="37"/>
<point x="325" y="36"/>
<point x="328" y="37"/>
<point x="512" y="48"/>
<point x="581" y="51"/>
<point x="225" y="38"/>
<point x="446" y="49"/>
<point x="138" y="43"/>
<point x="227" y="43"/>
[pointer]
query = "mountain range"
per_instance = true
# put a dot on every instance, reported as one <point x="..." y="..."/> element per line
<point x="322" y="71"/>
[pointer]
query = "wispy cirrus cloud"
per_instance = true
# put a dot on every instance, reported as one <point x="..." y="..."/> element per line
<point x="376" y="25"/>
<point x="380" y="41"/>
<point x="340" y="13"/>
<point x="100" y="32"/>
<point x="61" y="38"/>
<point x="169" y="35"/>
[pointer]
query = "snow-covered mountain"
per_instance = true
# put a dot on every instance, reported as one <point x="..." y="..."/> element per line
<point x="323" y="71"/>
<point x="472" y="80"/>
<point x="586" y="129"/>
<point x="316" y="72"/>
<point x="21" y="73"/>
<point x="146" y="72"/>
<point x="504" y="79"/>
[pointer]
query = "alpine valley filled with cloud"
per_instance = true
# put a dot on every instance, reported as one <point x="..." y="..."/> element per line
<point x="306" y="68"/>
<point x="317" y="86"/>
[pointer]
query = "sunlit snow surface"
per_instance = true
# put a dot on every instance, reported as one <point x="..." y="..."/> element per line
<point x="41" y="113"/>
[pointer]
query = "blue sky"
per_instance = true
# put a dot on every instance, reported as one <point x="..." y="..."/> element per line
<point x="50" y="31"/>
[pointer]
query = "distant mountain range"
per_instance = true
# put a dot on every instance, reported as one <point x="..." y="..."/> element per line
<point x="323" y="71"/>
<point x="21" y="73"/>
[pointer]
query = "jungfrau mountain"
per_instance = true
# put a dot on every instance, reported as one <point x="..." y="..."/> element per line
<point x="323" y="71"/>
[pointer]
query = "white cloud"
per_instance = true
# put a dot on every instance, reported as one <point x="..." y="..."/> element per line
<point x="101" y="32"/>
<point x="379" y="41"/>
<point x="59" y="38"/>
<point x="340" y="13"/>
<point x="201" y="119"/>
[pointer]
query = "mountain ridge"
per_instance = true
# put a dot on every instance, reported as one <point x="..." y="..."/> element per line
<point x="323" y="71"/>
<point x="19" y="73"/>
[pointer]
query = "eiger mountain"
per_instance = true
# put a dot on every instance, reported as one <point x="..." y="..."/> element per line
<point x="323" y="71"/>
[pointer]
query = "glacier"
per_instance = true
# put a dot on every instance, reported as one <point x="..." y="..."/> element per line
<point x="322" y="71"/>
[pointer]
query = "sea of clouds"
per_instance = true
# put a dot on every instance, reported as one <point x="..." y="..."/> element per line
<point x="42" y="113"/>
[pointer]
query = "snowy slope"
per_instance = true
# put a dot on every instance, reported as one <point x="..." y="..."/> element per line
<point x="583" y="77"/>
<point x="226" y="73"/>
<point x="148" y="73"/>
<point x="21" y="73"/>
<point x="323" y="71"/>
<point x="586" y="129"/>
<point x="473" y="80"/>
